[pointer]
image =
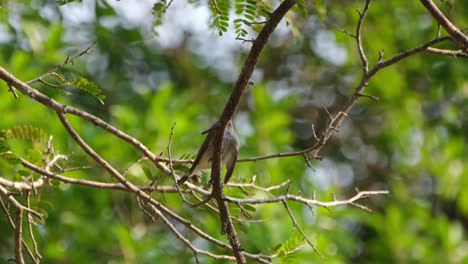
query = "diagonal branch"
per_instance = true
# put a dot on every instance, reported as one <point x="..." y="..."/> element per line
<point x="54" y="105"/>
<point x="18" y="205"/>
<point x="185" y="240"/>
<point x="457" y="36"/>
<point x="68" y="60"/>
<point x="131" y="187"/>
<point x="296" y="225"/>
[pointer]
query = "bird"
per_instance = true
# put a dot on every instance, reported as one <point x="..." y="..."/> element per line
<point x="229" y="151"/>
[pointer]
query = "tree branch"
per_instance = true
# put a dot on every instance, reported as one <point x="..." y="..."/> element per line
<point x="230" y="108"/>
<point x="16" y="204"/>
<point x="54" y="105"/>
<point x="296" y="225"/>
<point x="454" y="53"/>
<point x="12" y="224"/>
<point x="308" y="202"/>
<point x="89" y="183"/>
<point x="362" y="54"/>
<point x="19" y="236"/>
<point x="457" y="36"/>
<point x="68" y="60"/>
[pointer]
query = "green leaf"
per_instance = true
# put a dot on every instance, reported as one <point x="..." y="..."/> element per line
<point x="302" y="8"/>
<point x="8" y="156"/>
<point x="149" y="175"/>
<point x="4" y="147"/>
<point x="14" y="161"/>
<point x="89" y="87"/>
<point x="320" y="9"/>
<point x="249" y="208"/>
<point x="289" y="247"/>
<point x="27" y="132"/>
<point x="24" y="172"/>
<point x="64" y="2"/>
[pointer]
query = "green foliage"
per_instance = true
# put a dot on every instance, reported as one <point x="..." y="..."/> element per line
<point x="319" y="7"/>
<point x="411" y="142"/>
<point x="159" y="9"/>
<point x="64" y="2"/>
<point x="287" y="250"/>
<point x="89" y="87"/>
<point x="26" y="132"/>
<point x="220" y="10"/>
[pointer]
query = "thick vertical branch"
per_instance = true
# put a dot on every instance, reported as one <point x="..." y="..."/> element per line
<point x="230" y="108"/>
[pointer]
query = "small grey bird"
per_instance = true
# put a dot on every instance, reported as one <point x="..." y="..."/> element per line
<point x="229" y="153"/>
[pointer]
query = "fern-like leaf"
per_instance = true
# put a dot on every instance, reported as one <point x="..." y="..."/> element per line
<point x="26" y="132"/>
<point x="220" y="10"/>
<point x="286" y="251"/>
<point x="89" y="87"/>
<point x="159" y="9"/>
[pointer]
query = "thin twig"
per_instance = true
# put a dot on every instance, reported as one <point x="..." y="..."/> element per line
<point x="131" y="187"/>
<point x="184" y="240"/>
<point x="245" y="40"/>
<point x="16" y="204"/>
<point x="21" y="185"/>
<point x="296" y="225"/>
<point x="13" y="91"/>
<point x="54" y="105"/>
<point x="306" y="201"/>
<point x="173" y="175"/>
<point x="68" y="60"/>
<point x="30" y="226"/>
<point x="89" y="183"/>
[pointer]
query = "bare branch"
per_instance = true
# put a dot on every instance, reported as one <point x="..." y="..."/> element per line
<point x="309" y="202"/>
<point x="457" y="36"/>
<point x="245" y="40"/>
<point x="254" y="186"/>
<point x="144" y="196"/>
<point x="454" y="53"/>
<point x="30" y="227"/>
<point x="296" y="225"/>
<point x="346" y="32"/>
<point x="19" y="236"/>
<point x="12" y="224"/>
<point x="277" y="155"/>
<point x="13" y="91"/>
<point x="54" y="105"/>
<point x="184" y="240"/>
<point x="173" y="175"/>
<point x="362" y="54"/>
<point x="21" y="185"/>
<point x="16" y="204"/>
<point x="68" y="60"/>
<point x="89" y="183"/>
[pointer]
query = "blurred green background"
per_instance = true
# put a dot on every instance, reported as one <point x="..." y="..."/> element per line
<point x="155" y="73"/>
